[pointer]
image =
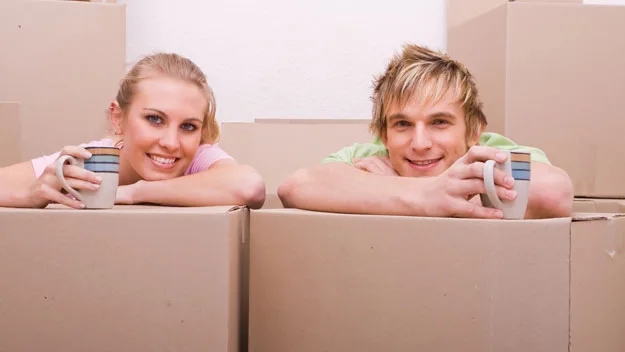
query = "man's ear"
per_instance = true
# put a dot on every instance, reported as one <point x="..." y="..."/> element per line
<point x="117" y="118"/>
<point x="476" y="136"/>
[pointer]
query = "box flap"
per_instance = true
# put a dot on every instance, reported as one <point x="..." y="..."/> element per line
<point x="596" y="216"/>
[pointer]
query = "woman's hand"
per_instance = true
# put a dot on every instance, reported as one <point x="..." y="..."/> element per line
<point x="48" y="188"/>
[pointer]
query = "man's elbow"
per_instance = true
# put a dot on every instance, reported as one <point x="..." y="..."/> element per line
<point x="289" y="189"/>
<point x="556" y="198"/>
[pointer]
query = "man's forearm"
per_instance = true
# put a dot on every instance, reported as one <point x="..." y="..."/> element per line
<point x="337" y="187"/>
<point x="551" y="193"/>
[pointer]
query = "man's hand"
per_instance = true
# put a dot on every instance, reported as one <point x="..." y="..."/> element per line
<point x="378" y="165"/>
<point x="452" y="191"/>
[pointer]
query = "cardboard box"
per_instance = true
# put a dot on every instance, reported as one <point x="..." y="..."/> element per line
<point x="598" y="205"/>
<point x="62" y="60"/>
<point x="551" y="76"/>
<point x="338" y="282"/>
<point x="312" y="121"/>
<point x="278" y="149"/>
<point x="132" y="278"/>
<point x="9" y="133"/>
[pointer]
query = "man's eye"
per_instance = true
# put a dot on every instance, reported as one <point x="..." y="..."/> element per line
<point x="188" y="127"/>
<point x="154" y="119"/>
<point x="402" y="124"/>
<point x="439" y="122"/>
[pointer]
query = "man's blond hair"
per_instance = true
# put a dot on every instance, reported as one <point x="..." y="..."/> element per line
<point x="430" y="74"/>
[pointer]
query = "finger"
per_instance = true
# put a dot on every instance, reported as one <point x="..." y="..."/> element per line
<point x="381" y="167"/>
<point x="55" y="196"/>
<point x="476" y="170"/>
<point x="78" y="152"/>
<point x="483" y="153"/>
<point x="471" y="210"/>
<point x="81" y="174"/>
<point x="470" y="187"/>
<point x="78" y="184"/>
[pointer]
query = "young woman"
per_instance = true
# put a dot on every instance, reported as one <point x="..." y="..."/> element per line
<point x="163" y="119"/>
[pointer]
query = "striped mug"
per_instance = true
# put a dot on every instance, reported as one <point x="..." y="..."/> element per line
<point x="105" y="162"/>
<point x="518" y="165"/>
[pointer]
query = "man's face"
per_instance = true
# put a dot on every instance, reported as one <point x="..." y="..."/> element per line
<point x="424" y="138"/>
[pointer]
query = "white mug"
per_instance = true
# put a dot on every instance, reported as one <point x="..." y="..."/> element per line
<point x="105" y="162"/>
<point x="518" y="166"/>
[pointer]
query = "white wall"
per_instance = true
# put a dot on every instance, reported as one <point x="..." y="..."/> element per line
<point x="281" y="58"/>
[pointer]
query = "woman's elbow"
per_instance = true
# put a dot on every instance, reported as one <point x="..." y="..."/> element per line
<point x="252" y="190"/>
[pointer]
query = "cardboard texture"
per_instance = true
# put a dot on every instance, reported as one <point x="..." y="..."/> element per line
<point x="312" y="121"/>
<point x="529" y="59"/>
<point x="62" y="60"/>
<point x="597" y="205"/>
<point x="9" y="133"/>
<point x="338" y="282"/>
<point x="128" y="279"/>
<point x="278" y="149"/>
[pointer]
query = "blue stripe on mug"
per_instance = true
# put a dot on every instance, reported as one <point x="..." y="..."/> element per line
<point x="521" y="174"/>
<point x="102" y="167"/>
<point x="103" y="158"/>
<point x="520" y="165"/>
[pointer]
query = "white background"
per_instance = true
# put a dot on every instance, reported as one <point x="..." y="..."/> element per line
<point x="287" y="59"/>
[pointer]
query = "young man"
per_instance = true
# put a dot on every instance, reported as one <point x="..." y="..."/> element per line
<point x="428" y="157"/>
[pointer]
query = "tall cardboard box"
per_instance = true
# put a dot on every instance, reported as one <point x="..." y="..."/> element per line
<point x="551" y="76"/>
<point x="62" y="60"/>
<point x="132" y="278"/>
<point x="10" y="152"/>
<point x="277" y="148"/>
<point x="340" y="282"/>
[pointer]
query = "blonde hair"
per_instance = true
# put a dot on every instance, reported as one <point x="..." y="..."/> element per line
<point x="174" y="66"/>
<point x="431" y="74"/>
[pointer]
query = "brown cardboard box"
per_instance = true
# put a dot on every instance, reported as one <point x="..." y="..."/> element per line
<point x="338" y="282"/>
<point x="551" y="76"/>
<point x="9" y="133"/>
<point x="597" y="205"/>
<point x="132" y="278"/>
<point x="312" y="121"/>
<point x="278" y="149"/>
<point x="62" y="60"/>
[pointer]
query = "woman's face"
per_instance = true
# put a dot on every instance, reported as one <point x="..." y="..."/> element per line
<point x="161" y="129"/>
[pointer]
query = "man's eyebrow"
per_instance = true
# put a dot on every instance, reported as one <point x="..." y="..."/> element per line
<point x="397" y="116"/>
<point x="440" y="114"/>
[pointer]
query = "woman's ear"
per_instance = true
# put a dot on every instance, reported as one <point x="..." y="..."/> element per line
<point x="117" y="118"/>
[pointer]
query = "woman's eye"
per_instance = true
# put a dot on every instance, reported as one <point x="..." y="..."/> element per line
<point x="188" y="127"/>
<point x="154" y="119"/>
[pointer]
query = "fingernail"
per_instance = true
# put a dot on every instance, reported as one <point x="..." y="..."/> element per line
<point x="509" y="181"/>
<point x="82" y="205"/>
<point x="501" y="156"/>
<point x="511" y="194"/>
<point x="95" y="186"/>
<point x="98" y="178"/>
<point x="499" y="214"/>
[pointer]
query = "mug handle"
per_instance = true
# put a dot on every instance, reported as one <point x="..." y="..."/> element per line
<point x="489" y="184"/>
<point x="59" y="163"/>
